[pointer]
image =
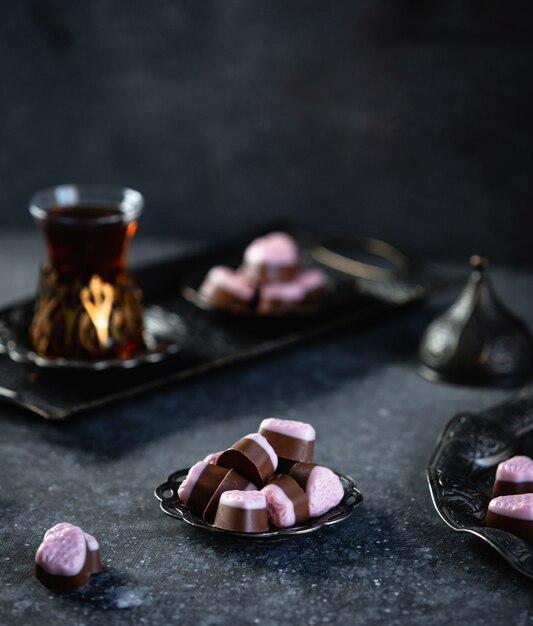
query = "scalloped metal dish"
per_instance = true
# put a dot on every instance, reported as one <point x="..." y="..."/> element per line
<point x="461" y="472"/>
<point x="164" y="333"/>
<point x="170" y="503"/>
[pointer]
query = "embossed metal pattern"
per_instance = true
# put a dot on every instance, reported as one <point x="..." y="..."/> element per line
<point x="461" y="471"/>
<point x="170" y="503"/>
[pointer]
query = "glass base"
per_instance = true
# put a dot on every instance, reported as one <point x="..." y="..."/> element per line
<point x="91" y="319"/>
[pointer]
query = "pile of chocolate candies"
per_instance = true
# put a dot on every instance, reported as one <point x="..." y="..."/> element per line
<point x="511" y="508"/>
<point x="266" y="479"/>
<point x="269" y="279"/>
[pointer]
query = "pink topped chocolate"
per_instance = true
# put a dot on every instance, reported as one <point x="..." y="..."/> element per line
<point x="514" y="476"/>
<point x="315" y="283"/>
<point x="232" y="481"/>
<point x="272" y="258"/>
<point x="287" y="502"/>
<point x="290" y="439"/>
<point x="513" y="514"/>
<point x="281" y="296"/>
<point x="253" y="457"/>
<point x="242" y="511"/>
<point x="223" y="287"/>
<point x="66" y="558"/>
<point x="94" y="553"/>
<point x="200" y="484"/>
<point x="322" y="486"/>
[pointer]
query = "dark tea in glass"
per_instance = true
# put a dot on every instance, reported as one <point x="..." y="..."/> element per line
<point x="87" y="239"/>
<point x="88" y="305"/>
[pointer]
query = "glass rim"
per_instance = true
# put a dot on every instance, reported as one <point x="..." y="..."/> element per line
<point x="130" y="203"/>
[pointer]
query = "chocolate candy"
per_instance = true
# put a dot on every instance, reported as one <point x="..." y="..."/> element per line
<point x="242" y="511"/>
<point x="281" y="296"/>
<point x="514" y="476"/>
<point x="308" y="286"/>
<point x="225" y="288"/>
<point x="272" y="258"/>
<point x="66" y="558"/>
<point x="323" y="488"/>
<point x="290" y="439"/>
<point x="232" y="481"/>
<point x="513" y="514"/>
<point x="315" y="283"/>
<point x="287" y="502"/>
<point x="201" y="483"/>
<point x="253" y="457"/>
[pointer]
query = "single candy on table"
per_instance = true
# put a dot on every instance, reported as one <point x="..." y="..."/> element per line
<point x="242" y="511"/>
<point x="200" y="484"/>
<point x="272" y="258"/>
<point x="253" y="457"/>
<point x="323" y="487"/>
<point x="514" y="476"/>
<point x="66" y="558"/>
<point x="287" y="502"/>
<point x="513" y="514"/>
<point x="223" y="287"/>
<point x="290" y="439"/>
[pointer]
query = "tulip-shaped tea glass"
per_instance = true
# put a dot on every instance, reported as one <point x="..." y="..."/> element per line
<point x="88" y="306"/>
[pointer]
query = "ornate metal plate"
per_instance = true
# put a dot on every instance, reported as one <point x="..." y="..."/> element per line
<point x="163" y="336"/>
<point x="462" y="468"/>
<point x="170" y="503"/>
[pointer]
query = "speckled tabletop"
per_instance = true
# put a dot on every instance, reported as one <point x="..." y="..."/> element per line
<point x="392" y="562"/>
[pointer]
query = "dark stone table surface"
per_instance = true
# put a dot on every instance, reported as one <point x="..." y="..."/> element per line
<point x="392" y="562"/>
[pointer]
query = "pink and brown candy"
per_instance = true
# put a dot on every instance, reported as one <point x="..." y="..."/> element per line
<point x="287" y="502"/>
<point x="252" y="456"/>
<point x="205" y="483"/>
<point x="200" y="484"/>
<point x="225" y="288"/>
<point x="514" y="476"/>
<point x="292" y="440"/>
<point x="513" y="514"/>
<point x="272" y="258"/>
<point x="242" y="511"/>
<point x="308" y="286"/>
<point x="66" y="558"/>
<point x="323" y="487"/>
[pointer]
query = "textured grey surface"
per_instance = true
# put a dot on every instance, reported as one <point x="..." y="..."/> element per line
<point x="393" y="562"/>
<point x="404" y="119"/>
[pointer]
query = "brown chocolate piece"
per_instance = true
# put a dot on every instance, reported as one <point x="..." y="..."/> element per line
<point x="241" y="520"/>
<point x="509" y="488"/>
<point x="301" y="472"/>
<point x="242" y="511"/>
<point x="287" y="447"/>
<point x="205" y="487"/>
<point x="522" y="528"/>
<point x="232" y="480"/>
<point x="250" y="459"/>
<point x="296" y="495"/>
<point x="285" y="465"/>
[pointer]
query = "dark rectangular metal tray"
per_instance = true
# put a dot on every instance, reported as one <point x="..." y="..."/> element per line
<point x="212" y="339"/>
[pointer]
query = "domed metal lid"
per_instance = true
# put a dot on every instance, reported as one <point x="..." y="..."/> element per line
<point x="477" y="340"/>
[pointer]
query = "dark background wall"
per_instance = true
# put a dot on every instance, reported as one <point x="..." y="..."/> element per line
<point x="407" y="120"/>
